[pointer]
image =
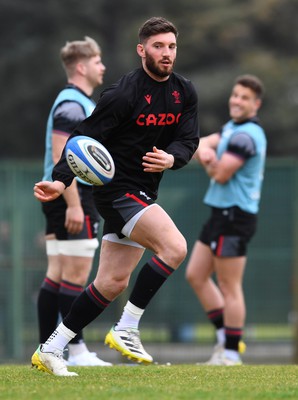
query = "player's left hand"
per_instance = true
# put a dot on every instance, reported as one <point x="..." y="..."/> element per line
<point x="157" y="161"/>
<point x="47" y="191"/>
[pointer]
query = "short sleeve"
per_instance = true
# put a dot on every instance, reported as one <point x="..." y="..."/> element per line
<point x="242" y="145"/>
<point x="67" y="116"/>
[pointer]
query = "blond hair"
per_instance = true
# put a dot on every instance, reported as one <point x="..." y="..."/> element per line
<point x="76" y="51"/>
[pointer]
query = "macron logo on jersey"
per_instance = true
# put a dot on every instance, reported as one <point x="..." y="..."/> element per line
<point x="148" y="98"/>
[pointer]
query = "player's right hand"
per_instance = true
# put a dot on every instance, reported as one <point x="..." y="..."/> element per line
<point x="207" y="156"/>
<point x="74" y="219"/>
<point x="47" y="191"/>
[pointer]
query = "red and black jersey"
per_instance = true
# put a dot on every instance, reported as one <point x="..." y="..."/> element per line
<point x="131" y="117"/>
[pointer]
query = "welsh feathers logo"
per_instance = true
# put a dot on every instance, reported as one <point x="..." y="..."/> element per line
<point x="176" y="96"/>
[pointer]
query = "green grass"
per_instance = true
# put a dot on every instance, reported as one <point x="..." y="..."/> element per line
<point x="158" y="382"/>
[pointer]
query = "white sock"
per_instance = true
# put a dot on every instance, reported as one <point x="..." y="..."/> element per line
<point x="58" y="339"/>
<point x="77" y="348"/>
<point x="232" y="355"/>
<point x="130" y="317"/>
<point x="221" y="337"/>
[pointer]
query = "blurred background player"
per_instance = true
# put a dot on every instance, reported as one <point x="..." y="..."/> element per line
<point x="234" y="160"/>
<point x="72" y="219"/>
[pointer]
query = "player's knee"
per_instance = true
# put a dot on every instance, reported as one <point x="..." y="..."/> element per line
<point x="189" y="276"/>
<point x="112" y="286"/>
<point x="78" y="276"/>
<point x="224" y="287"/>
<point x="76" y="269"/>
<point x="195" y="280"/>
<point x="176" y="252"/>
<point x="119" y="286"/>
<point x="181" y="251"/>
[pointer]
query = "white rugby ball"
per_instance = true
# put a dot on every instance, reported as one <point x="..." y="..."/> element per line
<point x="89" y="160"/>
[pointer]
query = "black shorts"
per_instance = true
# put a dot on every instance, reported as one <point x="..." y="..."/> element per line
<point x="228" y="231"/>
<point x="119" y="211"/>
<point x="55" y="216"/>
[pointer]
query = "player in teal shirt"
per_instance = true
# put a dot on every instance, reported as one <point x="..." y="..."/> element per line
<point x="248" y="142"/>
<point x="234" y="160"/>
<point x="72" y="219"/>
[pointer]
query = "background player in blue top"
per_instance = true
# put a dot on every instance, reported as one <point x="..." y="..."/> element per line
<point x="148" y="121"/>
<point x="72" y="219"/>
<point x="234" y="159"/>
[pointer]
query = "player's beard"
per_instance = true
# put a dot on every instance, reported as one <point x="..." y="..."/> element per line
<point x="155" y="69"/>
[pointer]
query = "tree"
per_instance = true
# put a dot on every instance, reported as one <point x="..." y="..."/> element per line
<point x="219" y="39"/>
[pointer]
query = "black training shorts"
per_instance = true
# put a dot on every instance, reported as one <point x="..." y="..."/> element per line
<point x="119" y="211"/>
<point x="55" y="216"/>
<point x="228" y="231"/>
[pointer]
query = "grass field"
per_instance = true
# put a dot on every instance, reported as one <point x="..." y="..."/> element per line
<point x="187" y="382"/>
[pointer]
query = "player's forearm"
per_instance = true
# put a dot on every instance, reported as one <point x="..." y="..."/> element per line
<point x="71" y="195"/>
<point x="210" y="169"/>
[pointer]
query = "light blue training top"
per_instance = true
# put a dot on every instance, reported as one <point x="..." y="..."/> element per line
<point x="67" y="94"/>
<point x="246" y="140"/>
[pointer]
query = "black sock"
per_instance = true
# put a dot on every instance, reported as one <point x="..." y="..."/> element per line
<point x="89" y="305"/>
<point x="150" y="279"/>
<point x="216" y="317"/>
<point x="67" y="295"/>
<point x="233" y="337"/>
<point x="47" y="308"/>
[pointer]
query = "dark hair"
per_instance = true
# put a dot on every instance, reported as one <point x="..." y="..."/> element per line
<point x="154" y="26"/>
<point x="252" y="82"/>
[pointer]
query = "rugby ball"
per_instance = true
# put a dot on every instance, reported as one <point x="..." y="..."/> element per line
<point x="89" y="160"/>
